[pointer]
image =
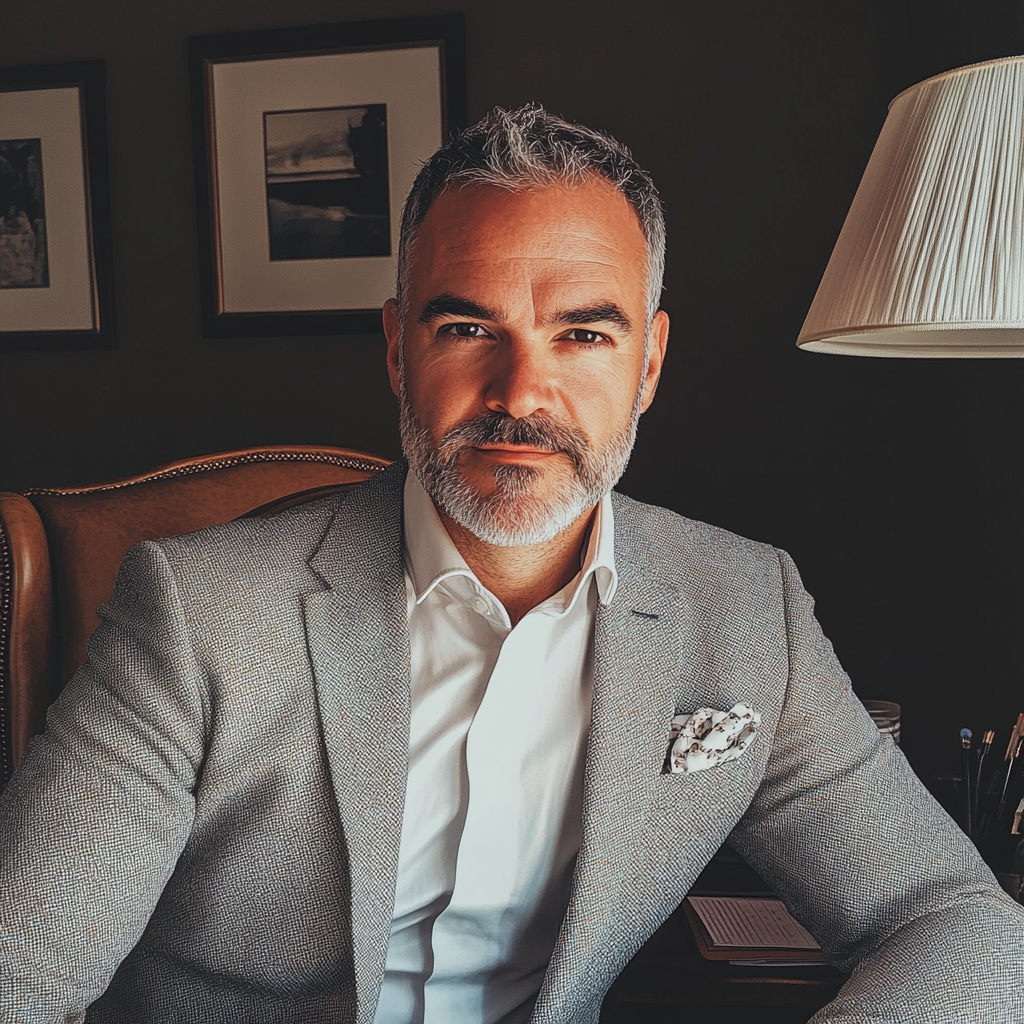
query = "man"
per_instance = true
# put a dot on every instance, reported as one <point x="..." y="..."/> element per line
<point x="401" y="755"/>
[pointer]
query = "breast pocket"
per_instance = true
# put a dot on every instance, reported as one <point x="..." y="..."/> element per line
<point x="724" y="790"/>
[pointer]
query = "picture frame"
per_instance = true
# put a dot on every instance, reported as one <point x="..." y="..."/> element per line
<point x="307" y="141"/>
<point x="56" y="258"/>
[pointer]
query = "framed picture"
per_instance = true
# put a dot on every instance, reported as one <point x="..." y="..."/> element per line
<point x="307" y="142"/>
<point x="56" y="281"/>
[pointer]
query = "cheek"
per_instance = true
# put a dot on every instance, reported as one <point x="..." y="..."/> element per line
<point x="601" y="399"/>
<point x="442" y="394"/>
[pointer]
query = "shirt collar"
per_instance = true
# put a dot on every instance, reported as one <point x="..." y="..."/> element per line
<point x="431" y="557"/>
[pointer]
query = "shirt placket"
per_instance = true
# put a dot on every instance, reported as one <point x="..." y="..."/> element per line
<point x="501" y="854"/>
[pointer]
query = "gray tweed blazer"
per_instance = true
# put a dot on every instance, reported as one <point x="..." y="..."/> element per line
<point x="208" y="830"/>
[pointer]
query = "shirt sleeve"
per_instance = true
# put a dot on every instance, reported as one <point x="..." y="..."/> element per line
<point x="94" y="819"/>
<point x="862" y="854"/>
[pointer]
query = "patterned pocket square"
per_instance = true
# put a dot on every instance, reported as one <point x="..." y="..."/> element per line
<point x="708" y="737"/>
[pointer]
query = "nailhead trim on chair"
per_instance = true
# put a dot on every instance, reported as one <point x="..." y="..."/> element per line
<point x="6" y="585"/>
<point x="189" y="468"/>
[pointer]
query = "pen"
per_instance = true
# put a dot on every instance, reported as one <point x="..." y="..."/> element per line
<point x="965" y="741"/>
<point x="1012" y="753"/>
<point x="986" y="746"/>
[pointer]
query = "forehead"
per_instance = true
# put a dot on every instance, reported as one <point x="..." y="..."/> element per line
<point x="562" y="242"/>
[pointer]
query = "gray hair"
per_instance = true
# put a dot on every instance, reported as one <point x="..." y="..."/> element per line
<point x="528" y="147"/>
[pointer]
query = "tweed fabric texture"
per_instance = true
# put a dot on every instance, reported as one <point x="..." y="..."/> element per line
<point x="208" y="830"/>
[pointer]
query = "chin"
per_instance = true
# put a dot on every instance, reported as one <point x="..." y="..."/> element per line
<point x="515" y="511"/>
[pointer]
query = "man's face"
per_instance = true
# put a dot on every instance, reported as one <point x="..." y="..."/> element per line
<point x="523" y="367"/>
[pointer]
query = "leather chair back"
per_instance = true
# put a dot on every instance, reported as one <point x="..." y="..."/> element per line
<point x="60" y="549"/>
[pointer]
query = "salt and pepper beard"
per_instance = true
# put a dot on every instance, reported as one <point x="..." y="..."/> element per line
<point x="513" y="515"/>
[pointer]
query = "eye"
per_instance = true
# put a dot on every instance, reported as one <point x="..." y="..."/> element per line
<point x="464" y="330"/>
<point x="585" y="337"/>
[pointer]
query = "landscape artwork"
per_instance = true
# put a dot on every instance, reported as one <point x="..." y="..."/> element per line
<point x="23" y="262"/>
<point x="327" y="183"/>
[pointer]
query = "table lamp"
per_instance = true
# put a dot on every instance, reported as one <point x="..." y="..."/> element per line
<point x="930" y="261"/>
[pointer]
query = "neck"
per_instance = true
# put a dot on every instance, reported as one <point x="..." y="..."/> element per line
<point x="523" y="576"/>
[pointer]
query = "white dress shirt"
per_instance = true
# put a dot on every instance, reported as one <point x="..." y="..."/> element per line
<point x="491" y="830"/>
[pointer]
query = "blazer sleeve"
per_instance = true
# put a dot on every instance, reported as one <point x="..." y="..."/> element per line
<point x="865" y="857"/>
<point x="94" y="819"/>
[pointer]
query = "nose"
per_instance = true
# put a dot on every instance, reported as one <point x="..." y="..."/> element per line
<point x="521" y="381"/>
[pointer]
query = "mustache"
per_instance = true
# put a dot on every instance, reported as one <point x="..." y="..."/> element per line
<point x="536" y="431"/>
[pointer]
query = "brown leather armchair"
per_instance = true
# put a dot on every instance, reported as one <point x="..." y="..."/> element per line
<point x="60" y="549"/>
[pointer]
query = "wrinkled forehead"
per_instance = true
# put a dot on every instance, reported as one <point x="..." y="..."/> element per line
<point x="550" y="237"/>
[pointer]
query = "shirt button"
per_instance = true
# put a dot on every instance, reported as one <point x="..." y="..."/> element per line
<point x="480" y="605"/>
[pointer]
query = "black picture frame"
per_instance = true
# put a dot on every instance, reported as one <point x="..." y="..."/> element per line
<point x="92" y="258"/>
<point x="206" y="54"/>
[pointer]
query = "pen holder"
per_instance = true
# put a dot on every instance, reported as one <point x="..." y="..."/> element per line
<point x="1012" y="881"/>
<point x="1000" y="848"/>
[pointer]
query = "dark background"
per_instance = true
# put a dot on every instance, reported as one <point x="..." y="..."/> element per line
<point x="894" y="484"/>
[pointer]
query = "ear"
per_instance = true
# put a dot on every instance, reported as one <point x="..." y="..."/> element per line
<point x="393" y="332"/>
<point x="655" y="357"/>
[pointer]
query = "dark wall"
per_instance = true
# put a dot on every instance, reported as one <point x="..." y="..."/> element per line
<point x="893" y="484"/>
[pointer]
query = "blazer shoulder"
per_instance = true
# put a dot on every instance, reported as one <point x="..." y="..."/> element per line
<point x="270" y="552"/>
<point x="254" y="541"/>
<point x="674" y="547"/>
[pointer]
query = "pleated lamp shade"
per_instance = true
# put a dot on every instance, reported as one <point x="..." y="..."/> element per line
<point x="930" y="261"/>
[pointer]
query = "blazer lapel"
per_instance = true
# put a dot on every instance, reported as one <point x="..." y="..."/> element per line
<point x="359" y="648"/>
<point x="635" y="672"/>
<point x="650" y="662"/>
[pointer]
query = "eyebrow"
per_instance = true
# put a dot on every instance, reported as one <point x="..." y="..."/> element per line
<point x="454" y="305"/>
<point x="599" y="313"/>
<point x="447" y="304"/>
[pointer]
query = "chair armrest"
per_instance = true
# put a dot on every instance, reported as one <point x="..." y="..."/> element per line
<point x="28" y="654"/>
